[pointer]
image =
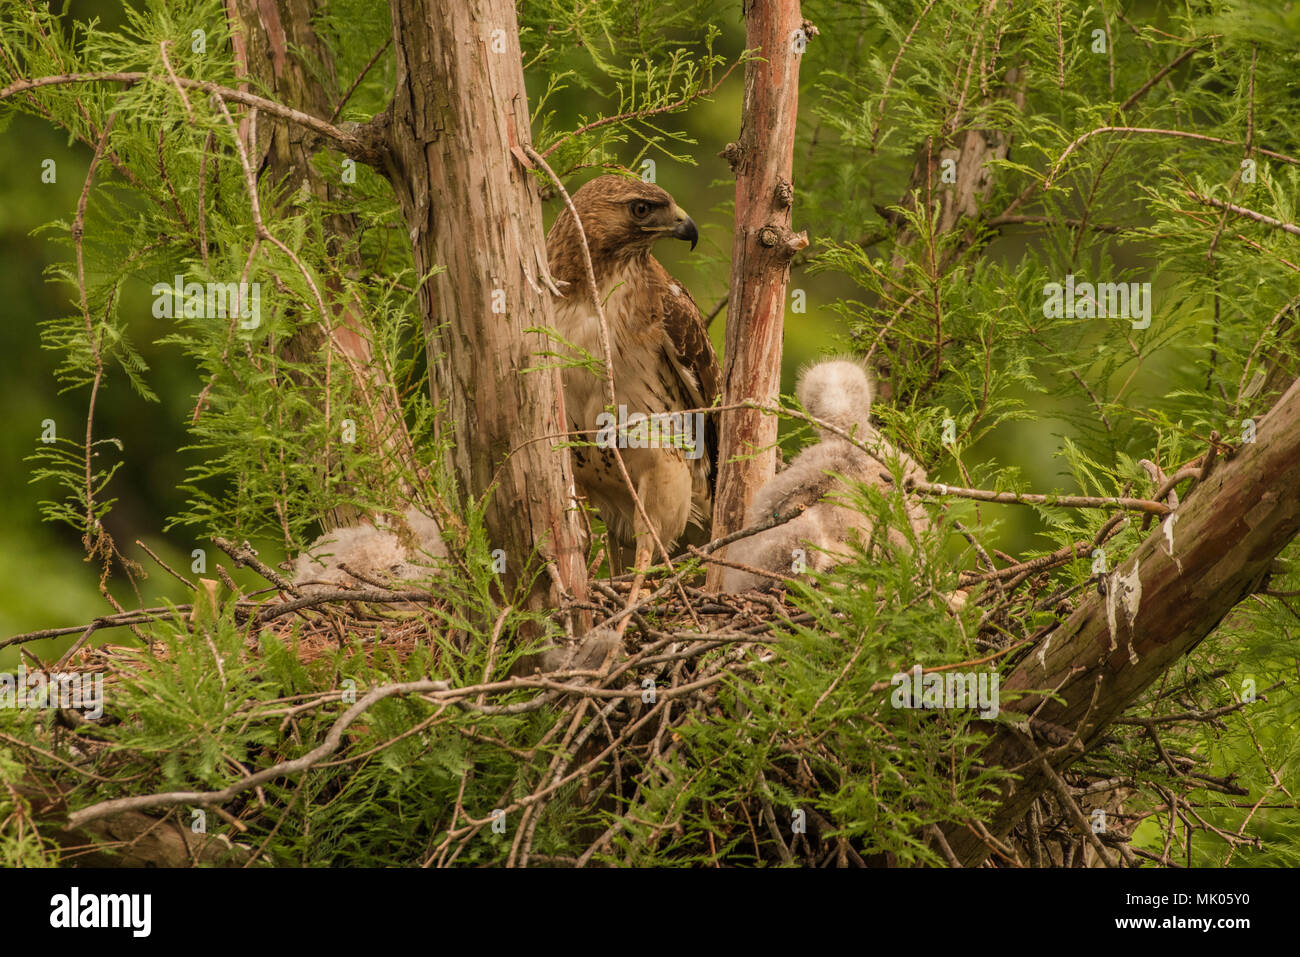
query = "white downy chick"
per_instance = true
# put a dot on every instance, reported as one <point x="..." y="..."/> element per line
<point x="838" y="392"/>
<point x="376" y="551"/>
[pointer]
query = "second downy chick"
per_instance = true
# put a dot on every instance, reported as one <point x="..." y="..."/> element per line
<point x="836" y="391"/>
<point x="376" y="551"/>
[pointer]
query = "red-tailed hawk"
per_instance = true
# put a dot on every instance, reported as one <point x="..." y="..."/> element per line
<point x="663" y="363"/>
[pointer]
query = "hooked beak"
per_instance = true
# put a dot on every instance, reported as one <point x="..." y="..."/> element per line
<point x="685" y="228"/>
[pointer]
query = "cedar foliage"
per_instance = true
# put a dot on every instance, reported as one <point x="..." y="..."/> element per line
<point x="797" y="716"/>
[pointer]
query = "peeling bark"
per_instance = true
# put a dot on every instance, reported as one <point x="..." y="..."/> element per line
<point x="762" y="247"/>
<point x="459" y="119"/>
<point x="1160" y="603"/>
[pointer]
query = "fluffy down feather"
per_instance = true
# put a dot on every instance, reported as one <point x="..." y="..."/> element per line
<point x="376" y="551"/>
<point x="836" y="391"/>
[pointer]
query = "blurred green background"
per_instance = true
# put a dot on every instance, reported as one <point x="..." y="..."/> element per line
<point x="44" y="581"/>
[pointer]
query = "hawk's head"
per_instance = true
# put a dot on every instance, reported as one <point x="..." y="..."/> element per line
<point x="622" y="218"/>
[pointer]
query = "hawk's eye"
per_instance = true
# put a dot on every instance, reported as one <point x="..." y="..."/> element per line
<point x="640" y="209"/>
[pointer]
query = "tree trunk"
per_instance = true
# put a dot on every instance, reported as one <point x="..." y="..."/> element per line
<point x="459" y="120"/>
<point x="763" y="161"/>
<point x="1225" y="536"/>
<point x="276" y="45"/>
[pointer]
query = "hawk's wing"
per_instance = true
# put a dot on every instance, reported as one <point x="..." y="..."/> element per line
<point x="690" y="354"/>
